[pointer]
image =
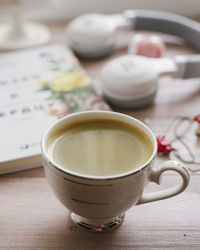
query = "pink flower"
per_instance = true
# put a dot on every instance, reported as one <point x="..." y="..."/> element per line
<point x="58" y="109"/>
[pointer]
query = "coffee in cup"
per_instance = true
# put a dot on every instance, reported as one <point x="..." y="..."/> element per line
<point x="100" y="147"/>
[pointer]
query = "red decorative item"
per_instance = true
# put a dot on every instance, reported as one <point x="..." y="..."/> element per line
<point x="164" y="146"/>
<point x="197" y="118"/>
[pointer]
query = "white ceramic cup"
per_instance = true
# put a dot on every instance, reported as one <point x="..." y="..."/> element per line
<point x="99" y="203"/>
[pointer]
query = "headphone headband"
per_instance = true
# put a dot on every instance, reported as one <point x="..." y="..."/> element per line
<point x="172" y="24"/>
<point x="166" y="23"/>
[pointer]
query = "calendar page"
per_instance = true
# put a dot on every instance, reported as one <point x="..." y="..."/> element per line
<point x="37" y="87"/>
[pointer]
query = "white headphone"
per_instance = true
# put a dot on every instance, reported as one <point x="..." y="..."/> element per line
<point x="130" y="81"/>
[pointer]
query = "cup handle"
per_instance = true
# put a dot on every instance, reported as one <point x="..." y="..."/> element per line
<point x="155" y="177"/>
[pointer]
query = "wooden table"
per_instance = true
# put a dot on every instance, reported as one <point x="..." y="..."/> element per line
<point x="32" y="218"/>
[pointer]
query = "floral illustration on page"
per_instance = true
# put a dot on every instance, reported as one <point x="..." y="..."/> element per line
<point x="70" y="88"/>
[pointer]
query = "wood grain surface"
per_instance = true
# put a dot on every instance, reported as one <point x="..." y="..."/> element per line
<point x="32" y="218"/>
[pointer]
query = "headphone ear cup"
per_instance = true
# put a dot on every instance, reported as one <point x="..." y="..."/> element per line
<point x="146" y="45"/>
<point x="91" y="35"/>
<point x="129" y="81"/>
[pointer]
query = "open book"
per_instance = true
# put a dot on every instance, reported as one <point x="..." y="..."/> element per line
<point x="38" y="86"/>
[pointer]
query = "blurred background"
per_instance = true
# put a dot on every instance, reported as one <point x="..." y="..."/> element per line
<point x="67" y="9"/>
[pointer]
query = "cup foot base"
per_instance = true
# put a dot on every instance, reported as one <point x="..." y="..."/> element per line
<point x="105" y="226"/>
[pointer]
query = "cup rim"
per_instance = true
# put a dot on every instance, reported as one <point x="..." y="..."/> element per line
<point x="148" y="131"/>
